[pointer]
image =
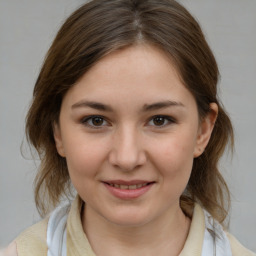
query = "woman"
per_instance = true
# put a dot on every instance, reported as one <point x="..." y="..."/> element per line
<point x="125" y="109"/>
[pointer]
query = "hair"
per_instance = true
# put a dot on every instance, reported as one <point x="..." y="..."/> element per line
<point x="98" y="28"/>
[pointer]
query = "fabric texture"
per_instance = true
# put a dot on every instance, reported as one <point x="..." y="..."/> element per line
<point x="57" y="232"/>
<point x="32" y="242"/>
<point x="38" y="239"/>
<point x="215" y="239"/>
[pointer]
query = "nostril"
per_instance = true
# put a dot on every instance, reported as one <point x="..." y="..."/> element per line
<point x="127" y="161"/>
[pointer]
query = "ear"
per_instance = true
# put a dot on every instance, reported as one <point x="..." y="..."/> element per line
<point x="58" y="139"/>
<point x="205" y="130"/>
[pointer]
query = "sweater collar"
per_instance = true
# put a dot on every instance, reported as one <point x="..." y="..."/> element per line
<point x="78" y="244"/>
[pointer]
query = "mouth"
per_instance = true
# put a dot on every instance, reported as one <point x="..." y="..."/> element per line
<point x="128" y="189"/>
<point x="132" y="184"/>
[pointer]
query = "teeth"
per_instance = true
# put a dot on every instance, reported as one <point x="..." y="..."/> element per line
<point x="136" y="186"/>
<point x="132" y="186"/>
<point x="124" y="186"/>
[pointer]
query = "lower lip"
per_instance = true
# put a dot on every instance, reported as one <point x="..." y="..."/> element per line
<point x="128" y="193"/>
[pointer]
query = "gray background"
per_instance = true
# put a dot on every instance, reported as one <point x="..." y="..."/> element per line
<point x="27" y="28"/>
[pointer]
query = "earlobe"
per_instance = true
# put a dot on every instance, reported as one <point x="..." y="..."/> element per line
<point x="205" y="130"/>
<point x="58" y="139"/>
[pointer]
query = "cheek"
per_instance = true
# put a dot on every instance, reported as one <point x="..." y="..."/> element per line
<point x="84" y="157"/>
<point x="174" y="158"/>
<point x="175" y="169"/>
<point x="176" y="149"/>
<point x="84" y="164"/>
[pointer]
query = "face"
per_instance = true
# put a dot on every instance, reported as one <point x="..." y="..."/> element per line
<point x="129" y="130"/>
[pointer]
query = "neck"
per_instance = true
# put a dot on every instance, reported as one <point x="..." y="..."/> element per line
<point x="165" y="235"/>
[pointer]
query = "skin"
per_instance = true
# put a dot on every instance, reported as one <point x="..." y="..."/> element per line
<point x="11" y="250"/>
<point x="129" y="143"/>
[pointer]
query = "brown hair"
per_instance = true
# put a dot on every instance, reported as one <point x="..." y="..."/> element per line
<point x="98" y="28"/>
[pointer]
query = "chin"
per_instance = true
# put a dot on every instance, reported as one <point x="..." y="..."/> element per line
<point x="129" y="218"/>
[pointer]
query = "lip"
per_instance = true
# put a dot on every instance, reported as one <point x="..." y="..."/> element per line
<point x="128" y="194"/>
<point x="125" y="182"/>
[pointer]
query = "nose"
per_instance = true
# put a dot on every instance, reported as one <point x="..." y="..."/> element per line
<point x="127" y="152"/>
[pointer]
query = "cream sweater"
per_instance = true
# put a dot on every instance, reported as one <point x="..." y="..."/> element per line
<point x="32" y="242"/>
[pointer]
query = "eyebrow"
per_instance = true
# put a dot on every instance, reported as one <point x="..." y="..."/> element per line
<point x="161" y="105"/>
<point x="146" y="107"/>
<point x="92" y="104"/>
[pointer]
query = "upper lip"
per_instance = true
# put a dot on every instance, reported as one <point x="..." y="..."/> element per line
<point x="128" y="183"/>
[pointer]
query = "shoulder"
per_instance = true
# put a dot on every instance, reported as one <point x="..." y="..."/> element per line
<point x="11" y="250"/>
<point x="31" y="242"/>
<point x="237" y="248"/>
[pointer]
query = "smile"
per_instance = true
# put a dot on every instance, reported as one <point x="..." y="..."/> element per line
<point x="128" y="190"/>
<point x="130" y="187"/>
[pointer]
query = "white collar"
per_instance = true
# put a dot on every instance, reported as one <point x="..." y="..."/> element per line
<point x="214" y="241"/>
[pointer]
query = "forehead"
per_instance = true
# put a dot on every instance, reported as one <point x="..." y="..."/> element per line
<point x="143" y="72"/>
<point x="139" y="59"/>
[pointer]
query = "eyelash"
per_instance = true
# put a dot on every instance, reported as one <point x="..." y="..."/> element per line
<point x="167" y="121"/>
<point x="87" y="119"/>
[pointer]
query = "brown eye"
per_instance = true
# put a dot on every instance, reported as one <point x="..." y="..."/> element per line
<point x="97" y="121"/>
<point x="159" y="121"/>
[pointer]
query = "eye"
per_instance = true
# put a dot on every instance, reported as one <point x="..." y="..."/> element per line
<point x="161" y="121"/>
<point x="95" y="121"/>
